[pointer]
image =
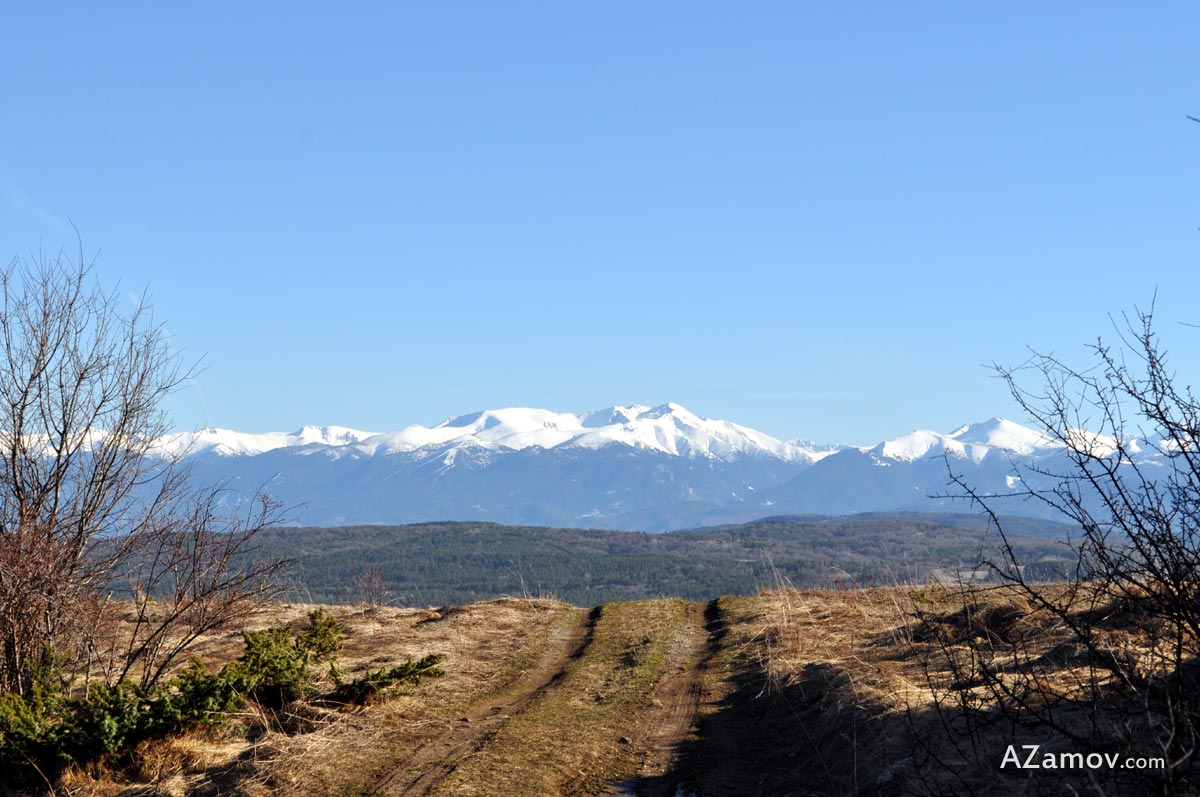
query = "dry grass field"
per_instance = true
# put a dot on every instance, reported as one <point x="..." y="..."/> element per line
<point x="786" y="692"/>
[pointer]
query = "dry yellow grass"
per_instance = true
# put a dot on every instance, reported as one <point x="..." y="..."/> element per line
<point x="326" y="751"/>
<point x="870" y="681"/>
<point x="577" y="736"/>
<point x="791" y="691"/>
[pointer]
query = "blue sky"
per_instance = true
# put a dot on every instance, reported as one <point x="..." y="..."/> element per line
<point x="813" y="219"/>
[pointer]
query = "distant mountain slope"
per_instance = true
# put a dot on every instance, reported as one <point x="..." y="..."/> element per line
<point x="450" y="563"/>
<point x="633" y="468"/>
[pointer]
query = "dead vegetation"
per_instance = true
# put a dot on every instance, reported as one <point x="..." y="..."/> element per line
<point x="538" y="698"/>
<point x="897" y="690"/>
<point x="307" y="748"/>
<point x="89" y="507"/>
<point x="578" y="736"/>
<point x="921" y="691"/>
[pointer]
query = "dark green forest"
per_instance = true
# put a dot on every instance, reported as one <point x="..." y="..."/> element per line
<point x="434" y="564"/>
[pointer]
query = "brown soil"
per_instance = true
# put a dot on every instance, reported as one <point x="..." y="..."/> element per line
<point x="669" y="722"/>
<point x="594" y="726"/>
<point x="430" y="763"/>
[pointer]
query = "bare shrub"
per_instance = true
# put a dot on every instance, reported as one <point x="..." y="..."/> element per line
<point x="1114" y="666"/>
<point x="371" y="587"/>
<point x="88" y="507"/>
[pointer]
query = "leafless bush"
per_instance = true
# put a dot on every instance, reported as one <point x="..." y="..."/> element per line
<point x="1115" y="665"/>
<point x="371" y="587"/>
<point x="88" y="507"/>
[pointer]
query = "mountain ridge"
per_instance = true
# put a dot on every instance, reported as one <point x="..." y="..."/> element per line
<point x="634" y="467"/>
<point x="670" y="428"/>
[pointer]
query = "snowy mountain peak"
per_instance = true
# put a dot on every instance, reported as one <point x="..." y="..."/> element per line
<point x="668" y="428"/>
<point x="611" y="416"/>
<point x="510" y="420"/>
<point x="330" y="435"/>
<point x="669" y="409"/>
<point x="974" y="441"/>
<point x="1003" y="434"/>
<point x="637" y="466"/>
<point x="227" y="442"/>
<point x="816" y="448"/>
<point x="673" y="429"/>
<point x="914" y="445"/>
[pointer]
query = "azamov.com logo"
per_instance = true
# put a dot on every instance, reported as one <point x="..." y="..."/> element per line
<point x="1027" y="756"/>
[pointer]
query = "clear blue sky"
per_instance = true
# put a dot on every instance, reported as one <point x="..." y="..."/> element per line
<point x="814" y="219"/>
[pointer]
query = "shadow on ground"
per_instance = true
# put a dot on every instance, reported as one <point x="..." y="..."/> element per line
<point x="803" y="738"/>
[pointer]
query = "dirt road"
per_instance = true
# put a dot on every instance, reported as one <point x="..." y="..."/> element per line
<point x="429" y="764"/>
<point x="606" y="709"/>
<point x="672" y="712"/>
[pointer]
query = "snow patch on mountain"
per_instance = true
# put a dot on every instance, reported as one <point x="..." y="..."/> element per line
<point x="228" y="443"/>
<point x="635" y="466"/>
<point x="973" y="441"/>
<point x="669" y="429"/>
<point x="1004" y="434"/>
<point x="913" y="445"/>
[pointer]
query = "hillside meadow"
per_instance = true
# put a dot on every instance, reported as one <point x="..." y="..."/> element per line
<point x="787" y="691"/>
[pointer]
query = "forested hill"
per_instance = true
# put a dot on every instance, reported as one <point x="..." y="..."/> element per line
<point x="454" y="563"/>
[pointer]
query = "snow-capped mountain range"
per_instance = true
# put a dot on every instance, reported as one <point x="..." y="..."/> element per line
<point x="669" y="429"/>
<point x="636" y="467"/>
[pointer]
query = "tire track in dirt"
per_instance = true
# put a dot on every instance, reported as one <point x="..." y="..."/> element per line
<point x="675" y="706"/>
<point x="437" y="758"/>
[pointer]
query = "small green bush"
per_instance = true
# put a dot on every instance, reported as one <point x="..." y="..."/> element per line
<point x="323" y="637"/>
<point x="203" y="697"/>
<point x="30" y="723"/>
<point x="363" y="689"/>
<point x="108" y="720"/>
<point x="274" y="669"/>
<point x="48" y="730"/>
